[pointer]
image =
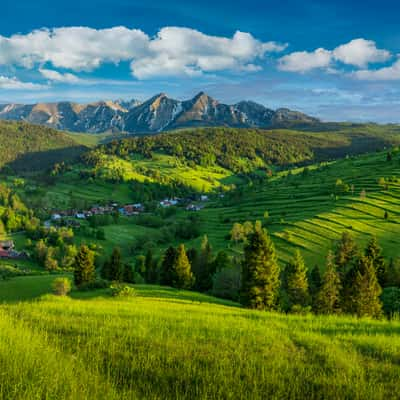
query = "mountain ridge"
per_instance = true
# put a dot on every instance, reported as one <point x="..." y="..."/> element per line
<point x="157" y="114"/>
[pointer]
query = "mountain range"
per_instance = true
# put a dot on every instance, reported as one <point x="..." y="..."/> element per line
<point x="160" y="113"/>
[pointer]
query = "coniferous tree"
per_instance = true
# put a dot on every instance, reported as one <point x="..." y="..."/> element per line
<point x="392" y="278"/>
<point x="346" y="252"/>
<point x="315" y="281"/>
<point x="183" y="276"/>
<point x="115" y="266"/>
<point x="151" y="268"/>
<point x="167" y="267"/>
<point x="297" y="282"/>
<point x="374" y="253"/>
<point x="260" y="273"/>
<point x="365" y="298"/>
<point x="128" y="275"/>
<point x="84" y="269"/>
<point x="203" y="270"/>
<point x="328" y="297"/>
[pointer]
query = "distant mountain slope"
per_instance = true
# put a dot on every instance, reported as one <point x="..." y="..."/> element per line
<point x="154" y="115"/>
<point x="28" y="147"/>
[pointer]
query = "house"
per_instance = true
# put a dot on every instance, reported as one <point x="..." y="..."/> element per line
<point x="7" y="245"/>
<point x="194" y="207"/>
<point x="169" y="202"/>
<point x="56" y="217"/>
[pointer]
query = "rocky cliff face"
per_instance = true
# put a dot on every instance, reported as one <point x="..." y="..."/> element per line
<point x="154" y="115"/>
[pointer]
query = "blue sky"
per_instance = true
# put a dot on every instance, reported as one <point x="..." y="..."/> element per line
<point x="337" y="60"/>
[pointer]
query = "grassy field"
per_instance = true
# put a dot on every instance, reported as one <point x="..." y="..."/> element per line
<point x="305" y="214"/>
<point x="169" y="344"/>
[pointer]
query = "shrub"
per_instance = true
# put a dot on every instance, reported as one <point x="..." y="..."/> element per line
<point x="96" y="284"/>
<point x="8" y="271"/>
<point x="121" y="290"/>
<point x="61" y="286"/>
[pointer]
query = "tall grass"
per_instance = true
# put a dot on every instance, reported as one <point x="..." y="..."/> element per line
<point x="178" y="347"/>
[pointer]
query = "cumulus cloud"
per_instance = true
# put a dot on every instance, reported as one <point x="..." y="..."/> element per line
<point x="14" y="84"/>
<point x="173" y="51"/>
<point x="302" y="61"/>
<point x="358" y="52"/>
<point x="56" y="76"/>
<point x="391" y="73"/>
<point x="183" y="51"/>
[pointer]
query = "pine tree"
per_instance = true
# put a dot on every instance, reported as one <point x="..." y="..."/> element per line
<point x="183" y="276"/>
<point x="374" y="253"/>
<point x="346" y="251"/>
<point x="392" y="278"/>
<point x="128" y="275"/>
<point x="297" y="282"/>
<point x="84" y="269"/>
<point x="203" y="270"/>
<point x="260" y="273"/>
<point x="115" y="266"/>
<point x="151" y="268"/>
<point x="365" y="298"/>
<point x="167" y="267"/>
<point x="328" y="297"/>
<point x="315" y="281"/>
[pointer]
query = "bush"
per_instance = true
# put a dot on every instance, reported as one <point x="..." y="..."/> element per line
<point x="61" y="286"/>
<point x="96" y="284"/>
<point x="8" y="271"/>
<point x="121" y="290"/>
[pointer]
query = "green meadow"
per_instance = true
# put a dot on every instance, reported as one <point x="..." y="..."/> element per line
<point x="171" y="344"/>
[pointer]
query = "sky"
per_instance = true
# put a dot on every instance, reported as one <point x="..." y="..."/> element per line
<point x="336" y="60"/>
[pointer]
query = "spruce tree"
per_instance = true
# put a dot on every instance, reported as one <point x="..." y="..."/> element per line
<point x="151" y="268"/>
<point x="167" y="267"/>
<point x="115" y="266"/>
<point x="128" y="275"/>
<point x="260" y="273"/>
<point x="392" y="278"/>
<point x="315" y="281"/>
<point x="374" y="253"/>
<point x="203" y="270"/>
<point x="328" y="297"/>
<point x="183" y="276"/>
<point x="346" y="252"/>
<point x="84" y="269"/>
<point x="365" y="298"/>
<point x="297" y="282"/>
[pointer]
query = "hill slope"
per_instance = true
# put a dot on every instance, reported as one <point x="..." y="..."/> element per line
<point x="27" y="147"/>
<point x="167" y="344"/>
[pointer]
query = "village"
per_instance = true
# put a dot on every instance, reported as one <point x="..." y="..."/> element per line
<point x="71" y="217"/>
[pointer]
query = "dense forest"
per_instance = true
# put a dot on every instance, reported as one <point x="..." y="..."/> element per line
<point x="243" y="150"/>
<point x="27" y="147"/>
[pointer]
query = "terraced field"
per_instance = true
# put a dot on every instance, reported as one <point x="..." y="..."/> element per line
<point x="305" y="213"/>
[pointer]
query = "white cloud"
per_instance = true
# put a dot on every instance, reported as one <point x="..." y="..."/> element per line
<point x="173" y="51"/>
<point x="391" y="73"/>
<point x="14" y="84"/>
<point x="357" y="52"/>
<point x="302" y="61"/>
<point x="56" y="76"/>
<point x="360" y="53"/>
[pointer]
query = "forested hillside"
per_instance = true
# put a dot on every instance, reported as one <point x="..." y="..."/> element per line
<point x="27" y="147"/>
<point x="243" y="150"/>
